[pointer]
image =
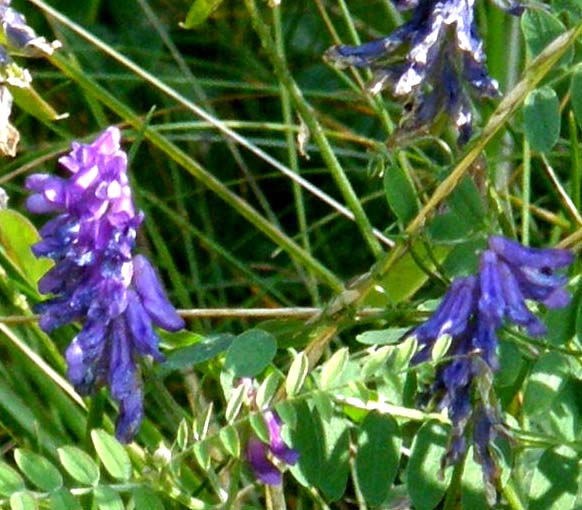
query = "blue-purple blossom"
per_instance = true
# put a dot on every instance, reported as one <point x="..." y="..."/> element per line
<point x="471" y="313"/>
<point x="261" y="455"/>
<point x="430" y="63"/>
<point x="96" y="279"/>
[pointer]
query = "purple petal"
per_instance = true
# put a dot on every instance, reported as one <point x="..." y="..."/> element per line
<point x="453" y="312"/>
<point x="84" y="355"/>
<point x="559" y="298"/>
<point x="278" y="447"/>
<point x="122" y="367"/>
<point x="516" y="309"/>
<point x="518" y="255"/>
<point x="130" y="416"/>
<point x="491" y="302"/>
<point x="143" y="336"/>
<point x="263" y="468"/>
<point x="486" y="341"/>
<point x="153" y="297"/>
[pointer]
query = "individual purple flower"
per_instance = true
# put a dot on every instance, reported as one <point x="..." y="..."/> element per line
<point x="471" y="313"/>
<point x="96" y="279"/>
<point x="261" y="455"/>
<point x="430" y="63"/>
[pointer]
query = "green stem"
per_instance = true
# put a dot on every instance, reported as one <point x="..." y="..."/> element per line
<point x="180" y="99"/>
<point x="513" y="499"/>
<point x="525" y="192"/>
<point x="292" y="155"/>
<point x="197" y="171"/>
<point x="576" y="163"/>
<point x="308" y="115"/>
<point x="341" y="307"/>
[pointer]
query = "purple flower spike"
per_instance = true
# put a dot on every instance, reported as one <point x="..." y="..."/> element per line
<point x="260" y="454"/>
<point x="471" y="313"/>
<point x="430" y="63"/>
<point x="96" y="278"/>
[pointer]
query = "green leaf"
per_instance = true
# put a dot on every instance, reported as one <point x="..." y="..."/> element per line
<point x="465" y="214"/>
<point x="467" y="203"/>
<point x="259" y="427"/>
<point x="571" y="7"/>
<point x="425" y="483"/>
<point x="287" y="413"/>
<point x="146" y="499"/>
<point x="555" y="481"/>
<point x="38" y="470"/>
<point x="473" y="493"/>
<point x="10" y="480"/>
<point x="235" y="402"/>
<point x="334" y="367"/>
<point x="297" y="374"/>
<point x="17" y="235"/>
<point x="440" y="347"/>
<point x="541" y="112"/>
<point x="576" y="94"/>
<point x="447" y="227"/>
<point x="250" y="353"/>
<point x="229" y="437"/>
<point x="107" y="499"/>
<point x="183" y="434"/>
<point x="79" y="465"/>
<point x="382" y="336"/>
<point x="324" y="404"/>
<point x="335" y="461"/>
<point x="562" y="323"/>
<point x="32" y="102"/>
<point x="406" y="276"/>
<point x="544" y="383"/>
<point x="23" y="501"/>
<point x="401" y="355"/>
<point x="540" y="28"/>
<point x="375" y="361"/>
<point x="63" y="500"/>
<point x="112" y="454"/>
<point x="267" y="390"/>
<point x="199" y="352"/>
<point x="199" y="12"/>
<point x="202" y="454"/>
<point x="308" y="438"/>
<point x="378" y="445"/>
<point x="400" y="194"/>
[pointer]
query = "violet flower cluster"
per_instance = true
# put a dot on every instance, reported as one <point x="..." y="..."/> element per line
<point x="430" y="63"/>
<point x="260" y="455"/>
<point x="471" y="313"/>
<point x="96" y="278"/>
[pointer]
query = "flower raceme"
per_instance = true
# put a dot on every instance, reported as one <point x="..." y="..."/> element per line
<point x="96" y="278"/>
<point x="430" y="63"/>
<point x="471" y="313"/>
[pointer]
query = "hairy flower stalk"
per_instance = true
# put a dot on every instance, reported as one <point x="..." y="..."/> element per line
<point x="96" y="279"/>
<point x="431" y="63"/>
<point x="471" y="313"/>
